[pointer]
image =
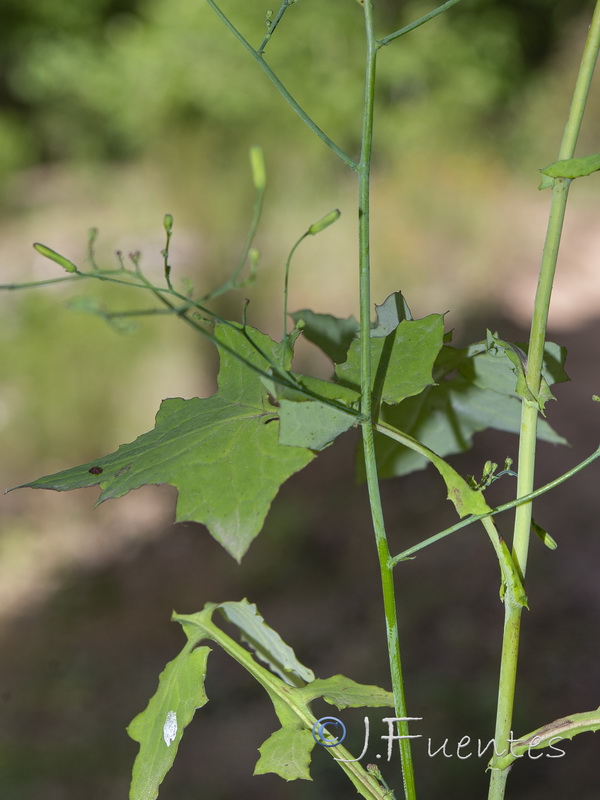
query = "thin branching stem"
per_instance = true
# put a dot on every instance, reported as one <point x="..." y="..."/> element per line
<point x="417" y="23"/>
<point x="273" y="23"/>
<point x="547" y="487"/>
<point x="234" y="282"/>
<point x="348" y="160"/>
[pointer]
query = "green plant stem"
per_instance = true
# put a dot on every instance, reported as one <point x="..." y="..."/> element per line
<point x="350" y="162"/>
<point x="528" y="433"/>
<point x="365" y="784"/>
<point x="385" y="566"/>
<point x="408" y="553"/>
<point x="233" y="281"/>
<point x="417" y="23"/>
<point x="284" y="337"/>
<point x="273" y="25"/>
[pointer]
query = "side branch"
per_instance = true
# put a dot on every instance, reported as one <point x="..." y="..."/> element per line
<point x="256" y="55"/>
<point x="417" y="23"/>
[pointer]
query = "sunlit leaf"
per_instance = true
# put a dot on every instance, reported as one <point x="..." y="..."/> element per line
<point x="286" y="752"/>
<point x="402" y="361"/>
<point x="222" y="453"/>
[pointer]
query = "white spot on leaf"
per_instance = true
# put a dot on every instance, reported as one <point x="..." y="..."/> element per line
<point x="170" y="728"/>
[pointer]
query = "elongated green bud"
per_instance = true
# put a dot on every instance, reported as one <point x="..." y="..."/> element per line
<point x="168" y="223"/>
<point x="543" y="535"/>
<point x="257" y="163"/>
<point x="67" y="265"/>
<point x="324" y="222"/>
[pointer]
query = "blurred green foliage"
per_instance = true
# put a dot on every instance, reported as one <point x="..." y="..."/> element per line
<point x="110" y="78"/>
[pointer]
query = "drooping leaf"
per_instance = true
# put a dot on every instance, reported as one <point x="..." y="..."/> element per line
<point x="266" y="643"/>
<point x="221" y="453"/>
<point x="331" y="334"/>
<point x="159" y="728"/>
<point x="402" y="361"/>
<point x="287" y="752"/>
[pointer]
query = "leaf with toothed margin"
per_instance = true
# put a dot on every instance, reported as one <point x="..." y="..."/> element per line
<point x="159" y="728"/>
<point x="221" y="453"/>
<point x="402" y="360"/>
<point x="288" y="751"/>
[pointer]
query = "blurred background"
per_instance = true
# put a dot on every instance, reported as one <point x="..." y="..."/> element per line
<point x="115" y="112"/>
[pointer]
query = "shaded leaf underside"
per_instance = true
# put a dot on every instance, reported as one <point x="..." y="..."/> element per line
<point x="479" y="394"/>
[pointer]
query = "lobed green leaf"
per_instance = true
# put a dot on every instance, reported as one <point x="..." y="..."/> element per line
<point x="343" y="692"/>
<point x="286" y="752"/>
<point x="159" y="728"/>
<point x="402" y="361"/>
<point x="222" y="453"/>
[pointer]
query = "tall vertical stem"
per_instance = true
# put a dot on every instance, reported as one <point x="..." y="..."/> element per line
<point x="385" y="565"/>
<point x="529" y="414"/>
